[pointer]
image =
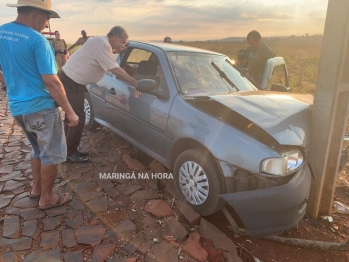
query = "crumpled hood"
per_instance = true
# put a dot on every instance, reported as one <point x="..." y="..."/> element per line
<point x="285" y="116"/>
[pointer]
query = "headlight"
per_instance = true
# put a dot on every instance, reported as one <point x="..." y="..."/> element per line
<point x="288" y="162"/>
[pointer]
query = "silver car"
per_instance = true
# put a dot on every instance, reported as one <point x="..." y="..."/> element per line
<point x="226" y="140"/>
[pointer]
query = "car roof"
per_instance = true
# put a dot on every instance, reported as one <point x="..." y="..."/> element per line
<point x="170" y="47"/>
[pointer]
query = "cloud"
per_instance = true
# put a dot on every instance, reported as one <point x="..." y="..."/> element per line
<point x="184" y="19"/>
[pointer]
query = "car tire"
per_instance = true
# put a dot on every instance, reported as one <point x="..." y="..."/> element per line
<point x="204" y="191"/>
<point x="90" y="123"/>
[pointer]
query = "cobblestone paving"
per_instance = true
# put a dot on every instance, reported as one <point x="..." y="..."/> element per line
<point x="110" y="219"/>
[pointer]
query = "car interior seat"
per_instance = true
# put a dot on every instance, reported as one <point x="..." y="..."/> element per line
<point x="147" y="70"/>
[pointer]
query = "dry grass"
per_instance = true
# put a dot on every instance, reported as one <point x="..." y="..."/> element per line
<point x="302" y="61"/>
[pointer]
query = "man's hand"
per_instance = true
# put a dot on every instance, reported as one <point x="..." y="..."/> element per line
<point x="73" y="119"/>
<point x="137" y="94"/>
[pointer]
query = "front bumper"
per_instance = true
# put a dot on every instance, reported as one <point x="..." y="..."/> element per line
<point x="272" y="210"/>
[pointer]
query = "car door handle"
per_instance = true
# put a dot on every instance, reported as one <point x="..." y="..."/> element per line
<point x="112" y="91"/>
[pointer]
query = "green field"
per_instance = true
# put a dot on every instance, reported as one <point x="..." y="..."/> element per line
<point x="302" y="61"/>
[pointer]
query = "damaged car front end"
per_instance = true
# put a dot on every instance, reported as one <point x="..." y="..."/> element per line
<point x="274" y="198"/>
<point x="261" y="148"/>
<point x="259" y="140"/>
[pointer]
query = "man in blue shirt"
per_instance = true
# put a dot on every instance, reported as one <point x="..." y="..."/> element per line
<point x="34" y="90"/>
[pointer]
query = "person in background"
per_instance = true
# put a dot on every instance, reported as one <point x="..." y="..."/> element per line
<point x="258" y="54"/>
<point x="33" y="91"/>
<point x="87" y="66"/>
<point x="167" y="39"/>
<point x="60" y="48"/>
<point x="81" y="41"/>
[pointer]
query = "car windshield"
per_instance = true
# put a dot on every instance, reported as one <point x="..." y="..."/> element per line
<point x="202" y="74"/>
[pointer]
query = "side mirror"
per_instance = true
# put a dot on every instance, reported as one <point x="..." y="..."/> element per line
<point x="280" y="88"/>
<point x="146" y="86"/>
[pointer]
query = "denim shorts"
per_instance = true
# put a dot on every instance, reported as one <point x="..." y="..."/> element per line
<point x="44" y="130"/>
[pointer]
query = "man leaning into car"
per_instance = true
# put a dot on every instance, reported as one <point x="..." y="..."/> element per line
<point x="87" y="66"/>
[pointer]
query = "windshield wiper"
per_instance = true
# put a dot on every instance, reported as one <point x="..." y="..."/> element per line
<point x="245" y="74"/>
<point x="224" y="76"/>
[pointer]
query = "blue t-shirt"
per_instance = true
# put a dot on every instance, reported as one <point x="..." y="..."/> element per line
<point x="25" y="55"/>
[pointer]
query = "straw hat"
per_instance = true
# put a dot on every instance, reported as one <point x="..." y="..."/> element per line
<point x="39" y="4"/>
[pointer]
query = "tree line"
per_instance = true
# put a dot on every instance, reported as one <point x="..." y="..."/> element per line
<point x="295" y="40"/>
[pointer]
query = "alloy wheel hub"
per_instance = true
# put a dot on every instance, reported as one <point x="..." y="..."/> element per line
<point x="87" y="110"/>
<point x="193" y="183"/>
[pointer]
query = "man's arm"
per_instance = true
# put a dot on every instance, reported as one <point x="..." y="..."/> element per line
<point x="74" y="45"/>
<point x="123" y="75"/>
<point x="55" y="87"/>
<point x="2" y="80"/>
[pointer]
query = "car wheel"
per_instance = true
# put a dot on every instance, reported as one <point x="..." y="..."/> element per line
<point x="90" y="123"/>
<point x="198" y="181"/>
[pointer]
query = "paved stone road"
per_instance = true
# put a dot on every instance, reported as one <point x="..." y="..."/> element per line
<point x="111" y="219"/>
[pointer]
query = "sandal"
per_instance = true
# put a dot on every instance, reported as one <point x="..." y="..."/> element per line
<point x="60" y="201"/>
<point x="34" y="195"/>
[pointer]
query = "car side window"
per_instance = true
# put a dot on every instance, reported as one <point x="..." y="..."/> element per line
<point x="278" y="77"/>
<point x="143" y="64"/>
<point x="138" y="55"/>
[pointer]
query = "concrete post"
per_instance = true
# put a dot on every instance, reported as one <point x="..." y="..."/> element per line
<point x="330" y="109"/>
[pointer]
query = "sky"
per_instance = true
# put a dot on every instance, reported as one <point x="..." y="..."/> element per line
<point x="190" y="20"/>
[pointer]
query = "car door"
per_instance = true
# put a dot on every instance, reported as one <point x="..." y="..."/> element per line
<point x="120" y="95"/>
<point x="97" y="96"/>
<point x="142" y="120"/>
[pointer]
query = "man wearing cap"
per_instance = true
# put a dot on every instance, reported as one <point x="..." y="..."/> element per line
<point x="87" y="66"/>
<point x="33" y="89"/>
<point x="81" y="41"/>
<point x="258" y="54"/>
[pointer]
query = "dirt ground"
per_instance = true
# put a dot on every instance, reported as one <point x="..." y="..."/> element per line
<point x="320" y="230"/>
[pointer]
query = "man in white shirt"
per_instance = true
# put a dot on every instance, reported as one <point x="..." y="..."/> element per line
<point x="86" y="66"/>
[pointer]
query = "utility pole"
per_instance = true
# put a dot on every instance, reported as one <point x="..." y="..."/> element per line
<point x="330" y="110"/>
